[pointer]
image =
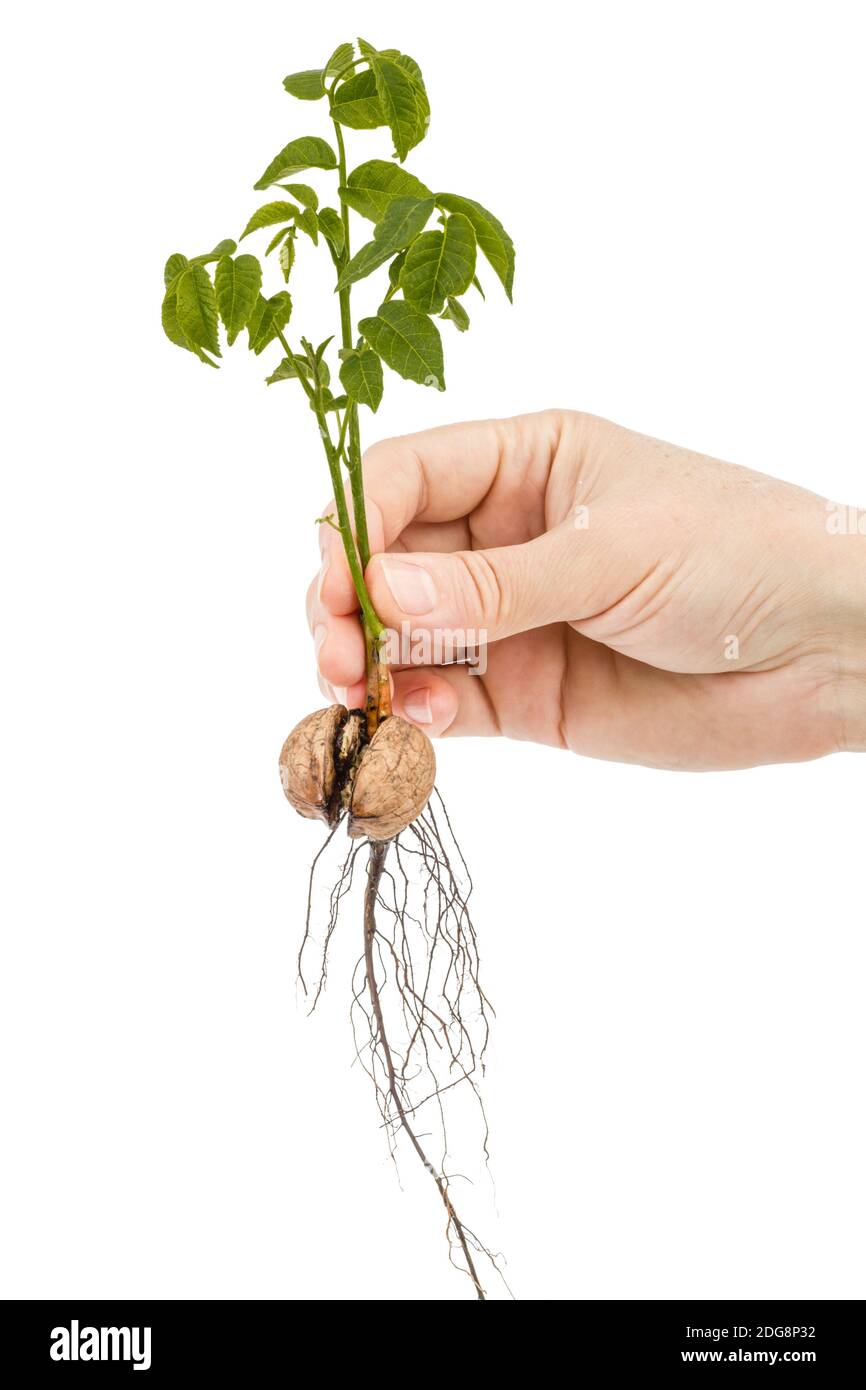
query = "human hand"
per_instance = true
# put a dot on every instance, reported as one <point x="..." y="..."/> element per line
<point x="642" y="602"/>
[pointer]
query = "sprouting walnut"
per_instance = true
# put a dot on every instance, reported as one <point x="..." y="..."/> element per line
<point x="326" y="768"/>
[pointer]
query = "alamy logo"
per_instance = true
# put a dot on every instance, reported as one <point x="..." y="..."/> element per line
<point x="845" y="521"/>
<point x="76" y="1343"/>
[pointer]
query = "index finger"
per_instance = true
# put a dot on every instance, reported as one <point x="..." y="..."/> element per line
<point x="436" y="475"/>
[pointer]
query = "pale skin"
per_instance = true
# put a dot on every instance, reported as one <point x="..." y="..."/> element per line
<point x="642" y="602"/>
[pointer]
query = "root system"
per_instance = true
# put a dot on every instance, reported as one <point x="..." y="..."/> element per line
<point x="419" y="1014"/>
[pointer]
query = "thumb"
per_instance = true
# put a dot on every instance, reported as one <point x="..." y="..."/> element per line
<point x="495" y="592"/>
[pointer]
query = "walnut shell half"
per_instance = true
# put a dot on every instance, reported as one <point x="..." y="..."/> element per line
<point x="394" y="780"/>
<point x="308" y="765"/>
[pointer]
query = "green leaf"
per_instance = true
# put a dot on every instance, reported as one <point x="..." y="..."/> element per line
<point x="394" y="269"/>
<point x="173" y="267"/>
<point x="287" y="371"/>
<point x="308" y="222"/>
<point x="356" y="103"/>
<point x="307" y="152"/>
<point x="196" y="309"/>
<point x="403" y="220"/>
<point x="307" y="86"/>
<point x="173" y="330"/>
<point x="439" y="264"/>
<point x="408" y="341"/>
<point x="397" y="90"/>
<point x="222" y="248"/>
<point x="361" y="376"/>
<point x="410" y="67"/>
<point x="275" y="240"/>
<point x="303" y="193"/>
<point x="318" y="369"/>
<point x="171" y="327"/>
<point x="287" y="255"/>
<point x="237" y="284"/>
<point x="267" y="317"/>
<point x="339" y="59"/>
<point x="477" y="283"/>
<point x="492" y="236"/>
<point x="372" y="186"/>
<point x="455" y="311"/>
<point x="331" y="227"/>
<point x="333" y="402"/>
<point x="268" y="214"/>
<point x="363" y="263"/>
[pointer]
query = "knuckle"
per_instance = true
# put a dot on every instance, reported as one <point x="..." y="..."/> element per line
<point x="483" y="593"/>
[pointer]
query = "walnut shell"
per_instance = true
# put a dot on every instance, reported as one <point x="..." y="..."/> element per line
<point x="307" y="765"/>
<point x="393" y="782"/>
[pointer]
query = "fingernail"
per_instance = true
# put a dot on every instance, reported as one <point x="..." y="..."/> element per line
<point x="340" y="694"/>
<point x="412" y="587"/>
<point x="319" y="636"/>
<point x="322" y="573"/>
<point x="416" y="705"/>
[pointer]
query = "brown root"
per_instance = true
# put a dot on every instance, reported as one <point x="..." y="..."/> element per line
<point x="378" y="851"/>
<point x="420" y="1015"/>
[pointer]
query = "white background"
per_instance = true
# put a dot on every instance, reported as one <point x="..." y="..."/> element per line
<point x="676" y="1078"/>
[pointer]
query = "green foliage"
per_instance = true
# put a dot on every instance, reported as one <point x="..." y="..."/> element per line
<point x="287" y="255"/>
<point x="455" y="311"/>
<point x="173" y="266"/>
<point x="439" y="264"/>
<point x="303" y="194"/>
<point x="309" y="223"/>
<point x="364" y="88"/>
<point x="196" y="309"/>
<point x="404" y="218"/>
<point x="339" y="59"/>
<point x="308" y="152"/>
<point x="361" y="375"/>
<point x="222" y="248"/>
<point x="268" y="214"/>
<point x="277" y="238"/>
<point x="307" y="86"/>
<point x="372" y="186"/>
<point x="331" y="227"/>
<point x="492" y="236"/>
<point x="173" y="330"/>
<point x="237" y="283"/>
<point x="289" y="370"/>
<point x="400" y="89"/>
<point x="408" y="342"/>
<point x="267" y="319"/>
<point x="356" y="102"/>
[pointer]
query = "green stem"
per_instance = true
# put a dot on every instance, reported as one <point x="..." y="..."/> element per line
<point x="372" y="622"/>
<point x="345" y="303"/>
<point x="356" y="479"/>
